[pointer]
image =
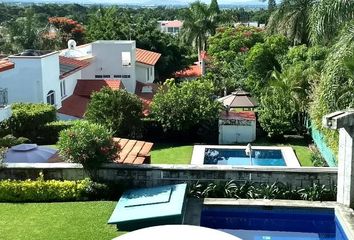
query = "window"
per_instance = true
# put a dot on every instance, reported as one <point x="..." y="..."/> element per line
<point x="98" y="76"/>
<point x="126" y="59"/>
<point x="62" y="89"/>
<point x="170" y="29"/>
<point x="51" y="97"/>
<point x="147" y="73"/>
<point x="107" y="76"/>
<point x="176" y="30"/>
<point x="117" y="76"/>
<point x="151" y="70"/>
<point x="126" y="76"/>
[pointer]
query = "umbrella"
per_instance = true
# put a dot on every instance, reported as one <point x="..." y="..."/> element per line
<point x="29" y="153"/>
<point x="177" y="232"/>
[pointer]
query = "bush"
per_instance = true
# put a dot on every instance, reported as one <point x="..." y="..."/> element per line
<point x="317" y="159"/>
<point x="49" y="191"/>
<point x="9" y="141"/>
<point x="117" y="110"/>
<point x="28" y="119"/>
<point x="89" y="144"/>
<point x="49" y="133"/>
<point x="248" y="190"/>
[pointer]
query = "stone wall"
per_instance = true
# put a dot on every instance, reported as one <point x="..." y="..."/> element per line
<point x="153" y="175"/>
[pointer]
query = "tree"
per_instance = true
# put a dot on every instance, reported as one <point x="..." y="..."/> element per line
<point x="272" y="5"/>
<point x="276" y="113"/>
<point x="117" y="110"/>
<point x="185" y="107"/>
<point x="200" y="20"/>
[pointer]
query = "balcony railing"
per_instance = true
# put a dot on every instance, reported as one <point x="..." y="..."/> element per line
<point x="3" y="97"/>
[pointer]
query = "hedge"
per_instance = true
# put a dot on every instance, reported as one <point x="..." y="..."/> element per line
<point x="28" y="118"/>
<point x="49" y="133"/>
<point x="50" y="191"/>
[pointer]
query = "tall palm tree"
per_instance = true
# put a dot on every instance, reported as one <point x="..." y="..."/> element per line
<point x="200" y="21"/>
<point x="291" y="18"/>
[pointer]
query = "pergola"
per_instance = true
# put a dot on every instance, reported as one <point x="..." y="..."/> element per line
<point x="239" y="99"/>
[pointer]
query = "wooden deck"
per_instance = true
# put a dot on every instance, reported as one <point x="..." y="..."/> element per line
<point x="133" y="151"/>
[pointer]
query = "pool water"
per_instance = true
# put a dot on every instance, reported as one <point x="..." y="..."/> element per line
<point x="260" y="157"/>
<point x="262" y="223"/>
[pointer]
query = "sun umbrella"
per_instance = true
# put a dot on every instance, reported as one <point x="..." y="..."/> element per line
<point x="29" y="153"/>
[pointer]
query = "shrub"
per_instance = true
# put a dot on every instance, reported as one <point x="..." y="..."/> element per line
<point x="117" y="110"/>
<point x="89" y="144"/>
<point x="49" y="133"/>
<point x="317" y="159"/>
<point x="9" y="141"/>
<point x="28" y="118"/>
<point x="48" y="191"/>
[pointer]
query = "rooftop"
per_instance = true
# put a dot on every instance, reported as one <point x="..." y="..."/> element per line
<point x="5" y="65"/>
<point x="69" y="66"/>
<point x="239" y="99"/>
<point x="248" y="116"/>
<point x="147" y="57"/>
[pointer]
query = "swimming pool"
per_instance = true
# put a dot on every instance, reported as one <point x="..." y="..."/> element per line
<point x="236" y="156"/>
<point x="259" y="157"/>
<point x="274" y="223"/>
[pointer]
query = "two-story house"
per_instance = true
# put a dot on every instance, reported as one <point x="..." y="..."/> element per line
<point x="67" y="78"/>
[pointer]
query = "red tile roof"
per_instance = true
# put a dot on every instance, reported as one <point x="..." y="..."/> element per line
<point x="192" y="71"/>
<point x="146" y="98"/>
<point x="174" y="23"/>
<point x="250" y="116"/>
<point x="74" y="106"/>
<point x="147" y="57"/>
<point x="85" y="88"/>
<point x="5" y="65"/>
<point x="75" y="64"/>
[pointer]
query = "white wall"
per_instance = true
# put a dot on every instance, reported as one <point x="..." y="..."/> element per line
<point x="5" y="113"/>
<point x="70" y="83"/>
<point x="142" y="75"/>
<point x="230" y="134"/>
<point x="108" y="61"/>
<point x="50" y="76"/>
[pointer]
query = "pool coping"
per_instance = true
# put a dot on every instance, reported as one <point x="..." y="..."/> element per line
<point x="288" y="154"/>
<point x="344" y="214"/>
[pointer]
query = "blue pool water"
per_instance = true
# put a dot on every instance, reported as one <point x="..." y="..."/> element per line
<point x="262" y="157"/>
<point x="262" y="223"/>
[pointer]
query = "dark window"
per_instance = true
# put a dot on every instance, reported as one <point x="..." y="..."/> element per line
<point x="51" y="97"/>
<point x="126" y="76"/>
<point x="98" y="76"/>
<point x="117" y="76"/>
<point x="107" y="76"/>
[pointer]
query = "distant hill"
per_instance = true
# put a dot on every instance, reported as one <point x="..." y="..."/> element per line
<point x="142" y="3"/>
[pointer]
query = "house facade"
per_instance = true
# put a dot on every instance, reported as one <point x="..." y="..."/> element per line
<point x="171" y="27"/>
<point x="67" y="78"/>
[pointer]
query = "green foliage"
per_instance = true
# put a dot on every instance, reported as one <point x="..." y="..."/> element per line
<point x="118" y="110"/>
<point x="249" y="190"/>
<point x="28" y="119"/>
<point x="276" y="112"/>
<point x="49" y="133"/>
<point x="186" y="106"/>
<point x="317" y="159"/>
<point x="9" y="141"/>
<point x="48" y="191"/>
<point x="89" y="144"/>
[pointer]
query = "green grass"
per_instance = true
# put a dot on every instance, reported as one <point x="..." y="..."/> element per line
<point x="57" y="221"/>
<point x="299" y="146"/>
<point x="171" y="154"/>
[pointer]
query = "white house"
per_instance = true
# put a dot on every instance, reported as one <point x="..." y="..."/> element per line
<point x="172" y="27"/>
<point x="67" y="78"/>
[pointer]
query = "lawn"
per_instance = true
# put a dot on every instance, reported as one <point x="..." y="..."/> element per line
<point x="171" y="154"/>
<point x="70" y="221"/>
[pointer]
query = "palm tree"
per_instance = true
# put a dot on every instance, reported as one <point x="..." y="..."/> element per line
<point x="291" y="18"/>
<point x="200" y="21"/>
<point x="315" y="21"/>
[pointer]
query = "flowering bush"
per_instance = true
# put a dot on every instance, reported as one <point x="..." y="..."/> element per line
<point x="87" y="143"/>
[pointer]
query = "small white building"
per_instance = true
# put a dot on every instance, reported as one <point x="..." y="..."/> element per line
<point x="172" y="27"/>
<point x="237" y="127"/>
<point x="66" y="79"/>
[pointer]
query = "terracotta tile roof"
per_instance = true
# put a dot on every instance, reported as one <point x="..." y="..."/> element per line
<point x="147" y="57"/>
<point x="5" y="65"/>
<point x="250" y="116"/>
<point x="74" y="106"/>
<point x="146" y="98"/>
<point x="85" y="88"/>
<point x="133" y="151"/>
<point x="174" y="23"/>
<point x="69" y="66"/>
<point x="192" y="71"/>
